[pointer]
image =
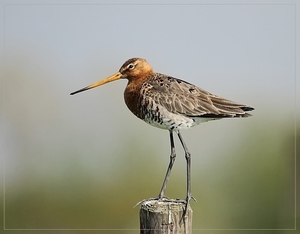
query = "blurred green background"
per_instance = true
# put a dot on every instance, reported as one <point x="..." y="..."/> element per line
<point x="80" y="163"/>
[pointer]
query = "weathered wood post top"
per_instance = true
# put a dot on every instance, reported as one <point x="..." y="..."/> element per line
<point x="165" y="217"/>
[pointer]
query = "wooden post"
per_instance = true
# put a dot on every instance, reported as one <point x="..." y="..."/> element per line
<point x="165" y="217"/>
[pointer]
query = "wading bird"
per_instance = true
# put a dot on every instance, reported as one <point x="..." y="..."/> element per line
<point x="172" y="104"/>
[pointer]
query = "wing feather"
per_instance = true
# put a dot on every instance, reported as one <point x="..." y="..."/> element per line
<point x="180" y="97"/>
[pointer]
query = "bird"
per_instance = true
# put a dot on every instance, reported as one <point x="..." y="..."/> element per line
<point x="172" y="104"/>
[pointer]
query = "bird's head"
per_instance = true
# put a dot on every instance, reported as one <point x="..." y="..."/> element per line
<point x="133" y="69"/>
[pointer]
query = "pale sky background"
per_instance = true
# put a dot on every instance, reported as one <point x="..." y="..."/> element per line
<point x="242" y="52"/>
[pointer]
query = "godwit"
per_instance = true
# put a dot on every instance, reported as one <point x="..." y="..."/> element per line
<point x="172" y="104"/>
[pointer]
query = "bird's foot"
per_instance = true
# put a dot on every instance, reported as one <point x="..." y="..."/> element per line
<point x="167" y="199"/>
<point x="187" y="203"/>
<point x="163" y="198"/>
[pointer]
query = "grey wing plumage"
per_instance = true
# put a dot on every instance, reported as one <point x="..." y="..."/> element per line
<point x="181" y="97"/>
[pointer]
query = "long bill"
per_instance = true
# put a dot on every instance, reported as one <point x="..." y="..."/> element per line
<point x="113" y="77"/>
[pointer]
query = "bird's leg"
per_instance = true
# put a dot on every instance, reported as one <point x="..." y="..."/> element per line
<point x="188" y="170"/>
<point x="164" y="185"/>
<point x="172" y="160"/>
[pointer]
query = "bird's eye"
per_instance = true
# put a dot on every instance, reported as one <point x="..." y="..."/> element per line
<point x="131" y="66"/>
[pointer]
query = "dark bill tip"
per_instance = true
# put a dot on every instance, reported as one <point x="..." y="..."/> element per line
<point x="80" y="90"/>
